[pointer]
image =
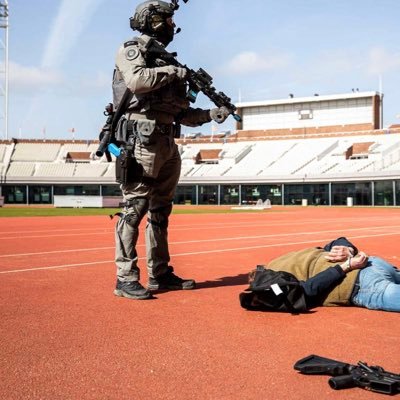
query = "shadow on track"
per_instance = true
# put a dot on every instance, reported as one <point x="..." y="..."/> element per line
<point x="241" y="279"/>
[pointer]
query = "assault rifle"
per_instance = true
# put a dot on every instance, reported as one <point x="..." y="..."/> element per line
<point x="373" y="378"/>
<point x="199" y="81"/>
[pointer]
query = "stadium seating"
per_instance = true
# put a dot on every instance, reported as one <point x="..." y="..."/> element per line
<point x="110" y="172"/>
<point x="35" y="152"/>
<point x="220" y="158"/>
<point x="55" y="170"/>
<point x="18" y="169"/>
<point x="2" y="152"/>
<point x="90" y="170"/>
<point x="73" y="148"/>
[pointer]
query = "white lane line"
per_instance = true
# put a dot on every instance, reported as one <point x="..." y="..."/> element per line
<point x="40" y="253"/>
<point x="194" y="226"/>
<point x="58" y="235"/>
<point x="229" y="239"/>
<point x="52" y="230"/>
<point x="319" y="240"/>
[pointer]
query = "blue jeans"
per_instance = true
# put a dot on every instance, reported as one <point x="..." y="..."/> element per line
<point x="379" y="284"/>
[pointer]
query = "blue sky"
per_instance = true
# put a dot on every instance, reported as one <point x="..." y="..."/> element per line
<point x="62" y="55"/>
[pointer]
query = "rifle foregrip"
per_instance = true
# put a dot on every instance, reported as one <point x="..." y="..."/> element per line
<point x="342" y="382"/>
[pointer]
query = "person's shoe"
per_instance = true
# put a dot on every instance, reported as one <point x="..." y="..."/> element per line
<point x="132" y="290"/>
<point x="169" y="281"/>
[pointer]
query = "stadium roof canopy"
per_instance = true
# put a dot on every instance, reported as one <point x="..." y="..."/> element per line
<point x="315" y="98"/>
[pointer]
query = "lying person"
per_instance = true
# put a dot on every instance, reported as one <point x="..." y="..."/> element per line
<point x="339" y="274"/>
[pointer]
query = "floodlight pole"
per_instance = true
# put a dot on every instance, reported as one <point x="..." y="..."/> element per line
<point x="4" y="71"/>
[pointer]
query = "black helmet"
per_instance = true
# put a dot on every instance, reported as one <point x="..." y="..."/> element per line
<point x="154" y="17"/>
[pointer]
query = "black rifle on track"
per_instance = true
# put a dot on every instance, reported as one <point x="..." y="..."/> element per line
<point x="373" y="378"/>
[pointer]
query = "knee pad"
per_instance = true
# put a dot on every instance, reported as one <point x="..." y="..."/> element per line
<point x="135" y="210"/>
<point x="160" y="216"/>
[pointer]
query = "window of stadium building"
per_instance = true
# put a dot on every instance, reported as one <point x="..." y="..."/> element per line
<point x="229" y="194"/>
<point x="185" y="195"/>
<point x="397" y="193"/>
<point x="383" y="193"/>
<point x="81" y="190"/>
<point x="208" y="194"/>
<point x="14" y="194"/>
<point x="316" y="194"/>
<point x="111" y="190"/>
<point x="360" y="193"/>
<point x="40" y="195"/>
<point x="250" y="194"/>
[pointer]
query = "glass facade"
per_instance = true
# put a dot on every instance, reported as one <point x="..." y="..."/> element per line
<point x="374" y="193"/>
<point x="250" y="194"/>
<point x="229" y="194"/>
<point x="383" y="193"/>
<point x="111" y="190"/>
<point x="77" y="190"/>
<point x="15" y="194"/>
<point x="315" y="194"/>
<point x="360" y="192"/>
<point x="208" y="194"/>
<point x="40" y="195"/>
<point x="185" y="195"/>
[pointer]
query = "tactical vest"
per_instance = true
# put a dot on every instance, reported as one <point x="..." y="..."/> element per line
<point x="170" y="99"/>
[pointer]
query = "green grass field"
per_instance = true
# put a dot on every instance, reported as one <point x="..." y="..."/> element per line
<point x="32" y="211"/>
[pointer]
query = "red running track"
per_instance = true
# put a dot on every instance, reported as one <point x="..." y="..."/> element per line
<point x="64" y="335"/>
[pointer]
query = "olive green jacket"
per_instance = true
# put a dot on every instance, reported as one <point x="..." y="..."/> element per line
<point x="307" y="263"/>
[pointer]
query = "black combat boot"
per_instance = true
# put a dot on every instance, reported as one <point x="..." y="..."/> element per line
<point x="132" y="290"/>
<point x="169" y="281"/>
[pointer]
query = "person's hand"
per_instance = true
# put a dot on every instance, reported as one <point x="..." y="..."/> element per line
<point x="359" y="261"/>
<point x="174" y="72"/>
<point x="340" y="253"/>
<point x="180" y="73"/>
<point x="219" y="114"/>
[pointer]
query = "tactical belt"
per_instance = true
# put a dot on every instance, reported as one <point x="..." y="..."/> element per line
<point x="165" y="129"/>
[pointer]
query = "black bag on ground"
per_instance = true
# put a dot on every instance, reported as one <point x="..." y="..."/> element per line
<point x="273" y="291"/>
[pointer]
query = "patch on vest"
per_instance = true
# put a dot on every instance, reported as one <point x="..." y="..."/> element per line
<point x="131" y="53"/>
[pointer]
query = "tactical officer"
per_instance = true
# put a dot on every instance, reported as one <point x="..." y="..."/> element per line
<point x="159" y="105"/>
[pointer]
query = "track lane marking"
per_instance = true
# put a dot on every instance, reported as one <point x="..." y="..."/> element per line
<point x="221" y="225"/>
<point x="199" y="241"/>
<point x="193" y="253"/>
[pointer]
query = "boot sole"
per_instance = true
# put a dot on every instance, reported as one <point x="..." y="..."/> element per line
<point x="121" y="293"/>
<point x="166" y="289"/>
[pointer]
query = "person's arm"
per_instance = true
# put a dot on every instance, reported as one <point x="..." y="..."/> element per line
<point x="138" y="77"/>
<point x="194" y="117"/>
<point x="318" y="286"/>
<point x="197" y="116"/>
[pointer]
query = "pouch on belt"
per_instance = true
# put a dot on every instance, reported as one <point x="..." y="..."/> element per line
<point x="146" y="132"/>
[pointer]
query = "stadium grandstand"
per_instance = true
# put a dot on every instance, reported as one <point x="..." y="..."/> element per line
<point x="319" y="150"/>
